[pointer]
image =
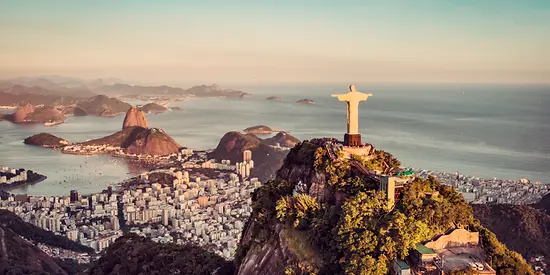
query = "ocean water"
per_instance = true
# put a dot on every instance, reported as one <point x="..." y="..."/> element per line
<point x="485" y="131"/>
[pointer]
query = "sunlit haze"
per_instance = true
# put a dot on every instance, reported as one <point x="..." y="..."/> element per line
<point x="175" y="42"/>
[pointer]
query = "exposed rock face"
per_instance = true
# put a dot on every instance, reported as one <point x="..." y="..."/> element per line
<point x="134" y="117"/>
<point x="46" y="140"/>
<point x="139" y="141"/>
<point x="283" y="139"/>
<point x="101" y="105"/>
<point x="132" y="254"/>
<point x="259" y="130"/>
<point x="271" y="258"/>
<point x="305" y="101"/>
<point x="21" y="114"/>
<point x="153" y="108"/>
<point x="544" y="204"/>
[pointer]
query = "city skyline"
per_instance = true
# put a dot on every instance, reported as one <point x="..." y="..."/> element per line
<point x="250" y="42"/>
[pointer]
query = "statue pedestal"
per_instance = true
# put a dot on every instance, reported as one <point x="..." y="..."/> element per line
<point x="352" y="140"/>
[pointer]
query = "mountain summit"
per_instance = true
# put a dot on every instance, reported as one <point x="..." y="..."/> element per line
<point x="135" y="117"/>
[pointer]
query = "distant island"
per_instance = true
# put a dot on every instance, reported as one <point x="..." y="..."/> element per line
<point x="305" y="101"/>
<point x="46" y="140"/>
<point x="153" y="108"/>
<point x="259" y="130"/>
<point x="274" y="98"/>
<point x="28" y="113"/>
<point x="101" y="105"/>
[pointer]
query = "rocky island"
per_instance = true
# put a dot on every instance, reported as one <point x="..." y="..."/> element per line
<point x="46" y="140"/>
<point x="48" y="115"/>
<point x="153" y="108"/>
<point x="274" y="98"/>
<point x="305" y="101"/>
<point x="259" y="130"/>
<point x="101" y="105"/>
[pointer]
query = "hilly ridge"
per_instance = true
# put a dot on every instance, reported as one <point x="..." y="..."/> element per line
<point x="18" y="256"/>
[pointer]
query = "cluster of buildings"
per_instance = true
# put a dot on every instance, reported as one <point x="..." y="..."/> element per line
<point x="480" y="191"/>
<point x="186" y="206"/>
<point x="459" y="249"/>
<point x="10" y="175"/>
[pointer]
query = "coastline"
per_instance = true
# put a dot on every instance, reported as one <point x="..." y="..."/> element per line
<point x="115" y="152"/>
<point x="8" y="187"/>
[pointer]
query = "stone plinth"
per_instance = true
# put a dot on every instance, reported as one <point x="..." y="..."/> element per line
<point x="352" y="140"/>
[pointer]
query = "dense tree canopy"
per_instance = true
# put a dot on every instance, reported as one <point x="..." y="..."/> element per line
<point x="358" y="231"/>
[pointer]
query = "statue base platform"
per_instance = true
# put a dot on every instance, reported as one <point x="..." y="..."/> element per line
<point x="352" y="140"/>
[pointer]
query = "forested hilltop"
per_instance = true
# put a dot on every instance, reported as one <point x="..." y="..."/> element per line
<point x="341" y="224"/>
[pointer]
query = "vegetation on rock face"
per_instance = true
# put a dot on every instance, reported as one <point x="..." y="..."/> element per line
<point x="11" y="221"/>
<point x="523" y="228"/>
<point x="357" y="231"/>
<point x="23" y="257"/>
<point x="46" y="140"/>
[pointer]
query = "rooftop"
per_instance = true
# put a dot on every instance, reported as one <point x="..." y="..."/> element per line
<point x="424" y="250"/>
<point x="402" y="264"/>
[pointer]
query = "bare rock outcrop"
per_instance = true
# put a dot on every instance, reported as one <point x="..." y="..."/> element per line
<point x="21" y="114"/>
<point x="135" y="117"/>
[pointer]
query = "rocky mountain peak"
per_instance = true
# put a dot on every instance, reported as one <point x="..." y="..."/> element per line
<point x="135" y="117"/>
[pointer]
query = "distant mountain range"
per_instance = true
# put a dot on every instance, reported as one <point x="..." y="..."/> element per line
<point x="57" y="86"/>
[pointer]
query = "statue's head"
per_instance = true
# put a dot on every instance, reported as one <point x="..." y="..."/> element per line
<point x="352" y="88"/>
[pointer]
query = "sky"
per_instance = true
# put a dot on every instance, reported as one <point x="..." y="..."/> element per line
<point x="260" y="41"/>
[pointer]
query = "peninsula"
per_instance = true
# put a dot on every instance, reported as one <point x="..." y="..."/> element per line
<point x="135" y="141"/>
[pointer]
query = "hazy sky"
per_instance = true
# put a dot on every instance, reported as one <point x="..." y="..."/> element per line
<point x="255" y="41"/>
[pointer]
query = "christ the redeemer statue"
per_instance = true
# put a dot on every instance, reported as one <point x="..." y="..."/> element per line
<point x="352" y="98"/>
